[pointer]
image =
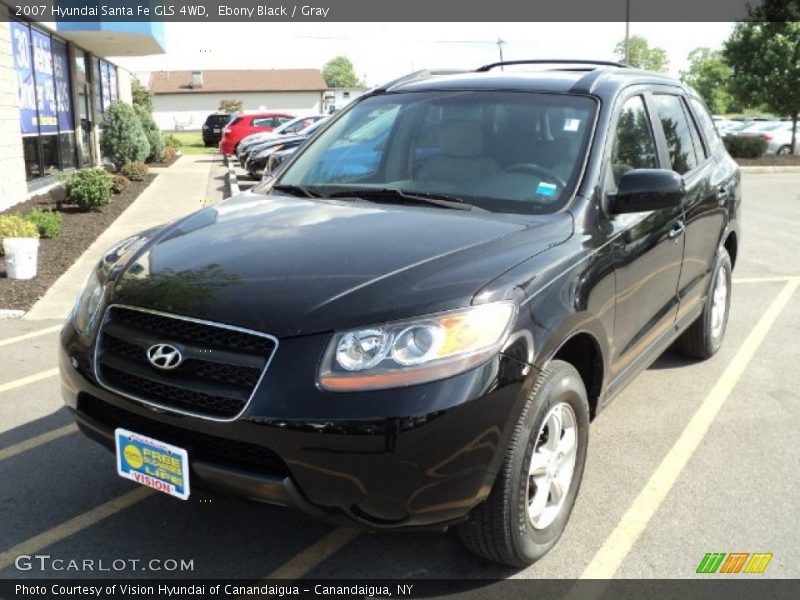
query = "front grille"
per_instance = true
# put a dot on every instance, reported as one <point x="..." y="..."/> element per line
<point x="219" y="372"/>
<point x="200" y="446"/>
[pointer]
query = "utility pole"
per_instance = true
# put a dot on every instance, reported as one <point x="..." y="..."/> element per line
<point x="500" y="43"/>
<point x="627" y="29"/>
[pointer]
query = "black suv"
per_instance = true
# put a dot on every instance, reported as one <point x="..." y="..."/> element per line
<point x="413" y="324"/>
<point x="212" y="128"/>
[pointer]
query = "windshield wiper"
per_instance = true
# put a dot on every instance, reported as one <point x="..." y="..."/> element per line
<point x="441" y="200"/>
<point x="296" y="190"/>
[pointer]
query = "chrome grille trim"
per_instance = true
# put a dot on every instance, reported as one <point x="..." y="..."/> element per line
<point x="171" y="409"/>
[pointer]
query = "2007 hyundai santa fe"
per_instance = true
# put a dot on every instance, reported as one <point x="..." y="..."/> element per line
<point x="413" y="323"/>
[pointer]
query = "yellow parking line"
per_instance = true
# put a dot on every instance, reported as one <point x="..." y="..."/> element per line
<point x="315" y="554"/>
<point x="775" y="279"/>
<point x="619" y="544"/>
<point x="28" y="336"/>
<point x="36" y="441"/>
<point x="74" y="525"/>
<point x="11" y="385"/>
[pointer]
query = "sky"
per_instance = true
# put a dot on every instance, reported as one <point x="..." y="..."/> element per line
<point x="383" y="51"/>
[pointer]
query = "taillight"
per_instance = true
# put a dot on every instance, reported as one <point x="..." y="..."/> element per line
<point x="226" y="130"/>
<point x="766" y="138"/>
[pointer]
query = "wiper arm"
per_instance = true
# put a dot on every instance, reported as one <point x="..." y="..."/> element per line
<point x="296" y="190"/>
<point x="441" y="200"/>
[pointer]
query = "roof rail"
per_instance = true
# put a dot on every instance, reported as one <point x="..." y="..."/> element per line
<point x="555" y="61"/>
<point x="415" y="76"/>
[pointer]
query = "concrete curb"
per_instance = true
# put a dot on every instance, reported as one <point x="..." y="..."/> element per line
<point x="233" y="180"/>
<point x="769" y="169"/>
<point x="10" y="313"/>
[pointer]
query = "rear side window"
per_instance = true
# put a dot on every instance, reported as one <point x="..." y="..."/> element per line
<point x="236" y="121"/>
<point x="634" y="147"/>
<point x="266" y="122"/>
<point x="676" y="131"/>
<point x="706" y="125"/>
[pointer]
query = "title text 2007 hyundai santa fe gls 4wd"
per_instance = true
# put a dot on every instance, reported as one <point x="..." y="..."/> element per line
<point x="414" y="322"/>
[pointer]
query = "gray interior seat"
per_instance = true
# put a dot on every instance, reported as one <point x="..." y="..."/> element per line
<point x="461" y="156"/>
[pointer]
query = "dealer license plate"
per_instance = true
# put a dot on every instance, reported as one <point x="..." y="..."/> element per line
<point x="158" y="465"/>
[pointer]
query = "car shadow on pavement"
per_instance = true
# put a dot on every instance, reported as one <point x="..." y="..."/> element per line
<point x="672" y="359"/>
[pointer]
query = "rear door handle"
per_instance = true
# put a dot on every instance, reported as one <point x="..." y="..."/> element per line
<point x="676" y="231"/>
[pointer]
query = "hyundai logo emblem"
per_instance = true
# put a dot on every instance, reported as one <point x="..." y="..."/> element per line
<point x="164" y="356"/>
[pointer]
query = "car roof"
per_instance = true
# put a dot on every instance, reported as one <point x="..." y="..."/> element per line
<point x="601" y="80"/>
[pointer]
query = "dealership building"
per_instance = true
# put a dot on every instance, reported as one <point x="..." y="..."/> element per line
<point x="55" y="84"/>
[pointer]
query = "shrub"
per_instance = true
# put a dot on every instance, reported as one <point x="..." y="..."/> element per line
<point x="13" y="226"/>
<point x="741" y="146"/>
<point x="135" y="171"/>
<point x="169" y="153"/>
<point x="47" y="222"/>
<point x="154" y="136"/>
<point x="120" y="184"/>
<point x="89" y="188"/>
<point x="123" y="138"/>
<point x="172" y="141"/>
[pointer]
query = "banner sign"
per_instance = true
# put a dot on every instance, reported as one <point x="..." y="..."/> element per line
<point x="61" y="77"/>
<point x="26" y="85"/>
<point x="45" y="85"/>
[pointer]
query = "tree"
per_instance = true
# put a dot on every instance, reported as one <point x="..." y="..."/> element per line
<point x="141" y="95"/>
<point x="339" y="72"/>
<point x="230" y="106"/>
<point x="710" y="75"/>
<point x="642" y="56"/>
<point x="764" y="55"/>
<point x="123" y="138"/>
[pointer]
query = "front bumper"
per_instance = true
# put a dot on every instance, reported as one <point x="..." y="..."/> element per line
<point x="426" y="465"/>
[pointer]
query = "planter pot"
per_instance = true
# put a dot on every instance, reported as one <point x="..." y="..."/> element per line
<point x="21" y="257"/>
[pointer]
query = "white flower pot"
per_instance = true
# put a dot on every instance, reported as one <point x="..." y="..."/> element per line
<point x="21" y="257"/>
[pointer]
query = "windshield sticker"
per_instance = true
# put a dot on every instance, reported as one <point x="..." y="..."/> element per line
<point x="571" y="124"/>
<point x="546" y="189"/>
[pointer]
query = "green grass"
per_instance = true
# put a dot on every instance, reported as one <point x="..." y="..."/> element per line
<point x="192" y="143"/>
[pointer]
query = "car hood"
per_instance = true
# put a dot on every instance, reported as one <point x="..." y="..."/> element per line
<point x="290" y="266"/>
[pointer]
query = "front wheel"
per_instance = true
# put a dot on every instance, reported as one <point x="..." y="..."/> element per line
<point x="532" y="498"/>
<point x="704" y="337"/>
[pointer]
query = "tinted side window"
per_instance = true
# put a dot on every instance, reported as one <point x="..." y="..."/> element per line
<point x="634" y="147"/>
<point x="676" y="131"/>
<point x="706" y="125"/>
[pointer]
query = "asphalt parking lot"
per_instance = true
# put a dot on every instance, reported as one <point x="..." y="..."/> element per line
<point x="692" y="458"/>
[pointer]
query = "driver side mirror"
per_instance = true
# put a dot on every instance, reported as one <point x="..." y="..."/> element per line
<point x="648" y="189"/>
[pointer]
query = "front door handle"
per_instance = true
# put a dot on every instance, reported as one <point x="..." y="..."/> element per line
<point x="722" y="195"/>
<point x="676" y="231"/>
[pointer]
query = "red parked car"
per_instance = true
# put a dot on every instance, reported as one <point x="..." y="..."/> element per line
<point x="242" y="126"/>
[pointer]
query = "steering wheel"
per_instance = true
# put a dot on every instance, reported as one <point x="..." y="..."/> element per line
<point x="542" y="173"/>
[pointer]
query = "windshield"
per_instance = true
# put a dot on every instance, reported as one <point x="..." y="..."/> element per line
<point x="501" y="151"/>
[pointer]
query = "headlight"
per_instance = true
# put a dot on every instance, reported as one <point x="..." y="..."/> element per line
<point x="415" y="350"/>
<point x="87" y="306"/>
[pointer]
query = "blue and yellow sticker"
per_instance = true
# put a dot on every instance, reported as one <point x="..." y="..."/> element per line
<point x="152" y="463"/>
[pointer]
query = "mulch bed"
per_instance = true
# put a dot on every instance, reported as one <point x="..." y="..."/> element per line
<point x="78" y="230"/>
<point x="771" y="160"/>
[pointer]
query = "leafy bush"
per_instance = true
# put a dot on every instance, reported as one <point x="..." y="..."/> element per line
<point x="47" y="222"/>
<point x="172" y="141"/>
<point x="123" y="138"/>
<point x="89" y="188"/>
<point x="153" y="133"/>
<point x="740" y="146"/>
<point x="120" y="184"/>
<point x="14" y="226"/>
<point x="135" y="171"/>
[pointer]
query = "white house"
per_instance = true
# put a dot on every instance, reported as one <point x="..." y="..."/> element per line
<point x="183" y="99"/>
<point x="337" y="98"/>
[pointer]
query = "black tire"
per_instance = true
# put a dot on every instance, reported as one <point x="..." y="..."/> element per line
<point x="699" y="340"/>
<point x="784" y="150"/>
<point x="499" y="529"/>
